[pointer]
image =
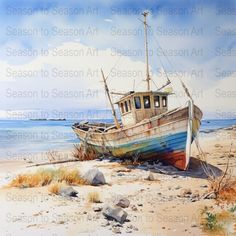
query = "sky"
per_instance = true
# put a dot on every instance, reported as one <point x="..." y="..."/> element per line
<point x="52" y="52"/>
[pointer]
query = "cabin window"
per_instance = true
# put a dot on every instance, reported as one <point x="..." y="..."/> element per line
<point x="126" y="106"/>
<point x="164" y="101"/>
<point x="130" y="107"/>
<point x="146" y="102"/>
<point x="156" y="101"/>
<point x="137" y="102"/>
<point x="122" y="108"/>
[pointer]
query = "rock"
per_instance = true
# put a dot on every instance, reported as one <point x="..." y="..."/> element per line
<point x="186" y="192"/>
<point x="218" y="145"/>
<point x="116" y="230"/>
<point x="123" y="202"/>
<point x="134" y="208"/>
<point x="120" y="174"/>
<point x="97" y="209"/>
<point x="195" y="194"/>
<point x="95" y="177"/>
<point x="193" y="225"/>
<point x="131" y="227"/>
<point x="140" y="204"/>
<point x="177" y="187"/>
<point x="175" y="176"/>
<point x="193" y="199"/>
<point x="61" y="222"/>
<point x="210" y="196"/>
<point x="150" y="177"/>
<point x="204" y="186"/>
<point x="106" y="223"/>
<point x="68" y="191"/>
<point x="116" y="213"/>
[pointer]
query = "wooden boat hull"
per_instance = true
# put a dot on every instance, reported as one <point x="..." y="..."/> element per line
<point x="166" y="137"/>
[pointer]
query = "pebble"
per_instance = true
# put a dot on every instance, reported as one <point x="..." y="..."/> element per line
<point x="106" y="223"/>
<point x="97" y="209"/>
<point x="204" y="186"/>
<point x="116" y="230"/>
<point x="134" y="208"/>
<point x="194" y="225"/>
<point x="150" y="177"/>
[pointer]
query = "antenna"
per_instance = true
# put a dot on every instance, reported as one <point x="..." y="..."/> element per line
<point x="145" y="14"/>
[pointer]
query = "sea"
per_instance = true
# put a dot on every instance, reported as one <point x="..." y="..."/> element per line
<point x="24" y="137"/>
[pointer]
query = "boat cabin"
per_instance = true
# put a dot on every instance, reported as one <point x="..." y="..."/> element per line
<point x="137" y="106"/>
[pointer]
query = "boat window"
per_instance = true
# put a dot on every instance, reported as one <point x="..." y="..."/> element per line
<point x="146" y="101"/>
<point x="156" y="101"/>
<point x="164" y="101"/>
<point x="122" y="107"/>
<point x="130" y="107"/>
<point x="126" y="106"/>
<point x="137" y="102"/>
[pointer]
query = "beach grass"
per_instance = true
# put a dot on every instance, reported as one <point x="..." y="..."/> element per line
<point x="55" y="187"/>
<point x="44" y="177"/>
<point x="83" y="153"/>
<point x="218" y="222"/>
<point x="94" y="197"/>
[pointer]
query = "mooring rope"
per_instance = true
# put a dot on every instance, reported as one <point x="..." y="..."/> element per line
<point x="203" y="160"/>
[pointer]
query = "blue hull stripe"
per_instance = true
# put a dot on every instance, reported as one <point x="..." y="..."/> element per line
<point x="164" y="144"/>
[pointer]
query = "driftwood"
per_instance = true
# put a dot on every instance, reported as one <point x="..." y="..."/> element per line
<point x="54" y="162"/>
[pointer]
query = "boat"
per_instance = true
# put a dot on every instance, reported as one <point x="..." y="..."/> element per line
<point x="147" y="130"/>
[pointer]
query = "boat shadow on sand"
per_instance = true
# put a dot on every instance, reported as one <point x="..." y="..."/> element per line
<point x="195" y="169"/>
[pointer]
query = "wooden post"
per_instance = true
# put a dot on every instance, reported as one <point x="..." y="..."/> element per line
<point x="109" y="98"/>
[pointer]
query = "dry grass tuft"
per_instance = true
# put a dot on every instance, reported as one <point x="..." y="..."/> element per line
<point x="227" y="193"/>
<point x="44" y="177"/>
<point x="94" y="197"/>
<point x="55" y="187"/>
<point x="40" y="178"/>
<point x="83" y="153"/>
<point x="224" y="186"/>
<point x="71" y="177"/>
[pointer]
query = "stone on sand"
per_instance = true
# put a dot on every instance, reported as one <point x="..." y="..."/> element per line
<point x="115" y="213"/>
<point x="122" y="202"/>
<point x="68" y="191"/>
<point x="95" y="177"/>
<point x="186" y="192"/>
<point x="97" y="209"/>
<point x="150" y="177"/>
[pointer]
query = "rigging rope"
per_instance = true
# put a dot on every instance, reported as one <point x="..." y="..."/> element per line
<point x="202" y="156"/>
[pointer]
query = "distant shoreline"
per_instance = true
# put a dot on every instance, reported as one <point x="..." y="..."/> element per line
<point x="48" y="119"/>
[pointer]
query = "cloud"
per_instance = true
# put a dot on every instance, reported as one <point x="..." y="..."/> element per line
<point x="72" y="42"/>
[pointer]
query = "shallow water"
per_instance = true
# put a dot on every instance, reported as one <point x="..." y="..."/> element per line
<point x="19" y="137"/>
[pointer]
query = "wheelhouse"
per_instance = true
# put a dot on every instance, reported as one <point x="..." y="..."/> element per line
<point x="137" y="106"/>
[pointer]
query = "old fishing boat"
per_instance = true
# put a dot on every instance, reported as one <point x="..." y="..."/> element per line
<point x="147" y="130"/>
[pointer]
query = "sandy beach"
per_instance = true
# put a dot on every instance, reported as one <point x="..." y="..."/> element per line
<point x="157" y="207"/>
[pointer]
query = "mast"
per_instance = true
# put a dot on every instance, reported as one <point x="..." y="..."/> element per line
<point x="109" y="98"/>
<point x="146" y="49"/>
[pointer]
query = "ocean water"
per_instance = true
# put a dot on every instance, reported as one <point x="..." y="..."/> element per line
<point x="19" y="138"/>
